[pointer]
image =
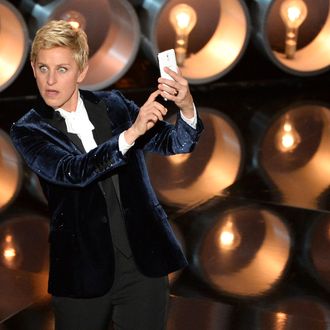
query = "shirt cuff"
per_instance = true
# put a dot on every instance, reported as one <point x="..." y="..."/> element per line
<point x="190" y="121"/>
<point x="123" y="145"/>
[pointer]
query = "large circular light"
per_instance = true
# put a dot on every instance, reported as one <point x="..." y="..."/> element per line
<point x="11" y="171"/>
<point x="216" y="43"/>
<point x="112" y="28"/>
<point x="14" y="43"/>
<point x="242" y="251"/>
<point x="14" y="175"/>
<point x="316" y="248"/>
<point x="312" y="54"/>
<point x="294" y="153"/>
<point x="173" y="277"/>
<point x="303" y="312"/>
<point x="189" y="179"/>
<point x="22" y="251"/>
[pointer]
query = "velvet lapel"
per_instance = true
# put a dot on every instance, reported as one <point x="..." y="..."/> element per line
<point x="97" y="113"/>
<point x="53" y="118"/>
<point x="61" y="125"/>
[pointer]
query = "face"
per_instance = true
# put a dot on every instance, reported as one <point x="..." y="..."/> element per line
<point x="58" y="77"/>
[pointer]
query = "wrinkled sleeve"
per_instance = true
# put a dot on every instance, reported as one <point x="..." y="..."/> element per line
<point x="166" y="138"/>
<point x="169" y="139"/>
<point x="54" y="161"/>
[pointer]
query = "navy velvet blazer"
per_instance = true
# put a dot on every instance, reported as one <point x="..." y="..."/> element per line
<point x="81" y="252"/>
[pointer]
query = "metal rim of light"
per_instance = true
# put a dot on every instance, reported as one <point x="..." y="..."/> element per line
<point x="122" y="46"/>
<point x="174" y="276"/>
<point x="318" y="237"/>
<point x="14" y="41"/>
<point x="11" y="171"/>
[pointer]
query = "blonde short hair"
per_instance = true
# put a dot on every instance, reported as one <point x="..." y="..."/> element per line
<point x="59" y="33"/>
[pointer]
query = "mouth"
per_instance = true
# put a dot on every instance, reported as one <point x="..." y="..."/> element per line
<point x="51" y="92"/>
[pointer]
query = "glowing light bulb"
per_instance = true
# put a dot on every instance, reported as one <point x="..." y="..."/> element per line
<point x="9" y="252"/>
<point x="287" y="137"/>
<point x="281" y="320"/>
<point x="183" y="18"/>
<point x="229" y="237"/>
<point x="293" y="13"/>
<point x="76" y="19"/>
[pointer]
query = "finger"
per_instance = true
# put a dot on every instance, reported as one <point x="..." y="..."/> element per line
<point x="167" y="96"/>
<point x="150" y="124"/>
<point x="153" y="118"/>
<point x="173" y="94"/>
<point x="152" y="97"/>
<point x="159" y="107"/>
<point x="159" y="112"/>
<point x="178" y="84"/>
<point x="176" y="75"/>
<point x="154" y="109"/>
<point x="171" y="72"/>
<point x="165" y="81"/>
<point x="171" y="90"/>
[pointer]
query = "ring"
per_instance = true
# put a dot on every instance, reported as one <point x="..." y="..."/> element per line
<point x="176" y="93"/>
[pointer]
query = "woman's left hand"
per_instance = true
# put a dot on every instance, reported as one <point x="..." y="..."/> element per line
<point x="177" y="90"/>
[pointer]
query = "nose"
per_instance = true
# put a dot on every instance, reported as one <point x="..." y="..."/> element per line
<point x="51" y="77"/>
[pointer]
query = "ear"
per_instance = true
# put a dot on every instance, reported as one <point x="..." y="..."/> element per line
<point x="82" y="74"/>
<point x="33" y="68"/>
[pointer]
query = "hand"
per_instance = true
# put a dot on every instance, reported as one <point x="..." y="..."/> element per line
<point x="177" y="90"/>
<point x="149" y="114"/>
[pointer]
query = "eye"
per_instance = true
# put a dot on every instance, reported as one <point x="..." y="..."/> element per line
<point x="43" y="68"/>
<point x="62" y="69"/>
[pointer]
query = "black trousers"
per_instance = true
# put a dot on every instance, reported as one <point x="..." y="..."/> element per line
<point x="135" y="302"/>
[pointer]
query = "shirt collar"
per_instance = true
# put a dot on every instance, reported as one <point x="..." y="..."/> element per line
<point x="77" y="121"/>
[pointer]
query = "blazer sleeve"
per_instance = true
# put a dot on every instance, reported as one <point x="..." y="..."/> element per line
<point x="55" y="159"/>
<point x="170" y="139"/>
<point x="164" y="138"/>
